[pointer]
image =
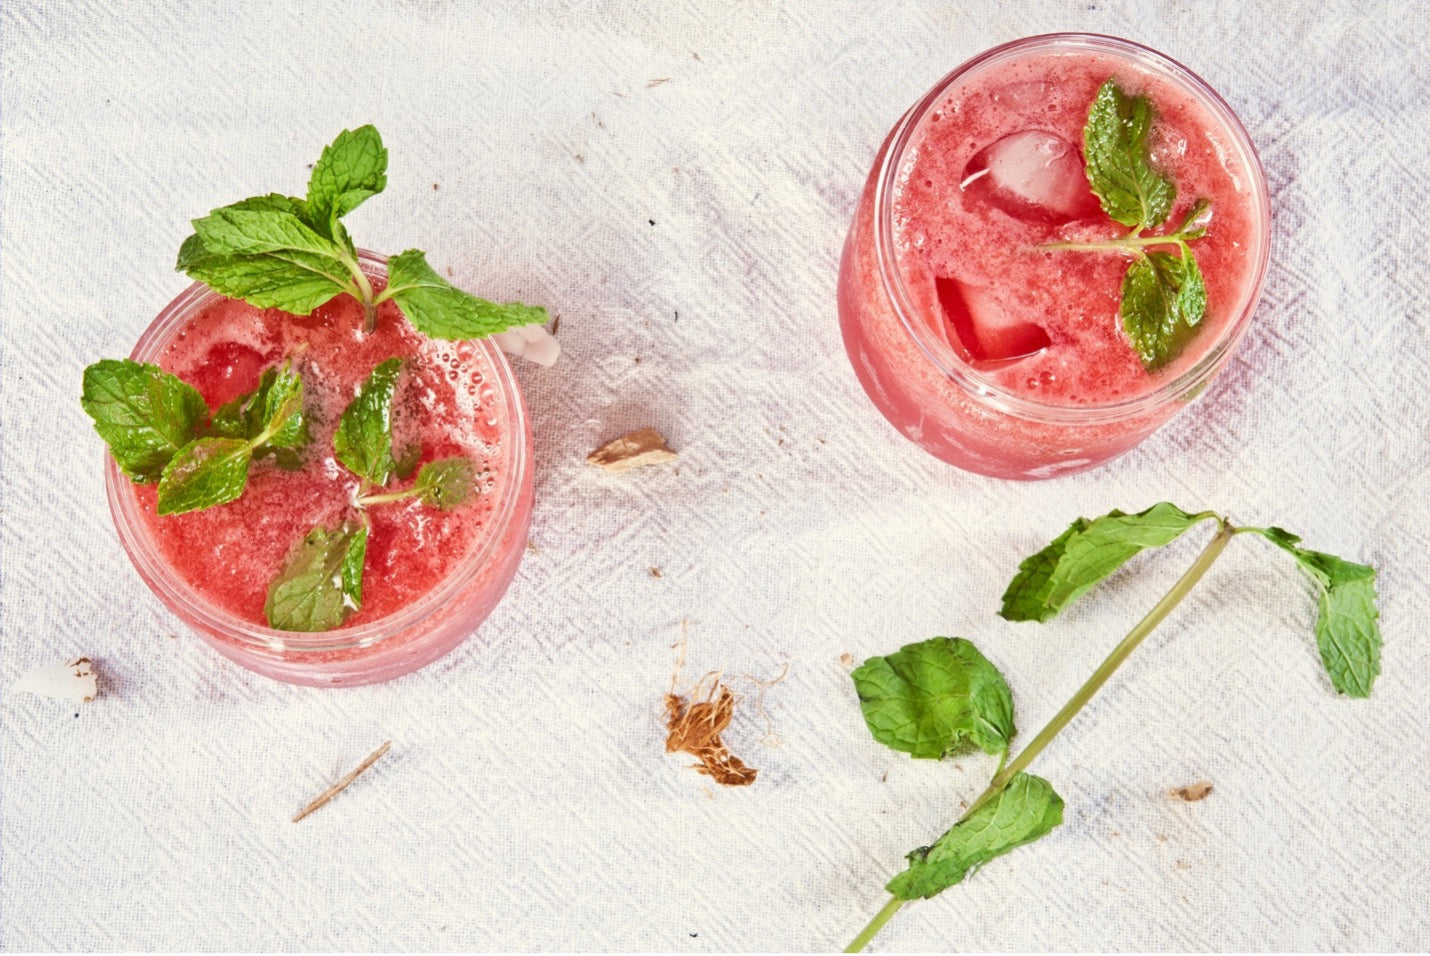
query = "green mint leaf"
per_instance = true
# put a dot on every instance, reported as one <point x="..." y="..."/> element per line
<point x="447" y="483"/>
<point x="1085" y="554"/>
<point x="932" y="698"/>
<point x="293" y="281"/>
<point x="1119" y="169"/>
<point x="352" y="169"/>
<point x="282" y="424"/>
<point x="1347" y="620"/>
<point x="1024" y="811"/>
<point x="321" y="585"/>
<point x="276" y="405"/>
<point x="363" y="441"/>
<point x="439" y="310"/>
<point x="243" y="230"/>
<point x="144" y="414"/>
<point x="1027" y="597"/>
<point x="1164" y="298"/>
<point x="205" y="472"/>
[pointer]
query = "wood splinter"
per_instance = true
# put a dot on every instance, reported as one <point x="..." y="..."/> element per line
<point x="342" y="784"/>
<point x="644" y="446"/>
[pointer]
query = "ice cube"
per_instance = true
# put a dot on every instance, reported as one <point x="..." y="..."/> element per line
<point x="983" y="328"/>
<point x="1031" y="174"/>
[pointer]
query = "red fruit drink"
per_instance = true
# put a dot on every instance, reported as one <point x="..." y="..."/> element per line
<point x="1005" y="358"/>
<point x="431" y="576"/>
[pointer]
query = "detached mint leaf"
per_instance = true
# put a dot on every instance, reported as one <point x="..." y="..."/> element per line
<point x="352" y="169"/>
<point x="1347" y="620"/>
<point x="292" y="281"/>
<point x="206" y="472"/>
<point x="1164" y="298"/>
<point x="321" y="585"/>
<point x="144" y="414"/>
<point x="1026" y="810"/>
<point x="931" y="698"/>
<point x="1085" y="554"/>
<point x="363" y="441"/>
<point x="1119" y="169"/>
<point x="439" y="310"/>
<point x="447" y="483"/>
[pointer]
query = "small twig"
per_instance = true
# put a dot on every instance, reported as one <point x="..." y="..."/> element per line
<point x="342" y="784"/>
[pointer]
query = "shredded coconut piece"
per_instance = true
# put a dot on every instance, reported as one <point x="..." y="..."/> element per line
<point x="73" y="680"/>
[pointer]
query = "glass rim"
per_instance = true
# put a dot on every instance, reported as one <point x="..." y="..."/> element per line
<point x="515" y="461"/>
<point x="942" y="355"/>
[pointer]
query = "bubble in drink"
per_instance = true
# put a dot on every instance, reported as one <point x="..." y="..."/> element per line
<point x="1031" y="174"/>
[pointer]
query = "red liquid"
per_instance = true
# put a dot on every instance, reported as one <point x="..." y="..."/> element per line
<point x="997" y="355"/>
<point x="213" y="567"/>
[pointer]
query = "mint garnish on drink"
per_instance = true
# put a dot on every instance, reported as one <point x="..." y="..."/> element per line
<point x="942" y="695"/>
<point x="158" y="429"/>
<point x="1164" y="297"/>
<point x="295" y="254"/>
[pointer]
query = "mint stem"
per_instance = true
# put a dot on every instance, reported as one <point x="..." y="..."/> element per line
<point x="1085" y="693"/>
<point x="1132" y="243"/>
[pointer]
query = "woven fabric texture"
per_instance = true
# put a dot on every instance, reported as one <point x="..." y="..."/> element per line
<point x="675" y="180"/>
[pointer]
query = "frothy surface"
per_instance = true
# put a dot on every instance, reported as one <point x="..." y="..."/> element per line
<point x="445" y="404"/>
<point x="946" y="228"/>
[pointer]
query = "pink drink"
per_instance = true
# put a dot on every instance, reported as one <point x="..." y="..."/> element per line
<point x="431" y="576"/>
<point x="1008" y="359"/>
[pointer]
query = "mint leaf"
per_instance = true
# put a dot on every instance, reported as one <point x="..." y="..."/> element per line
<point x="931" y="698"/>
<point x="1119" y="169"/>
<point x="1164" y="298"/>
<point x="1087" y="553"/>
<point x="363" y="441"/>
<point x="144" y="414"/>
<point x="245" y="230"/>
<point x="276" y="404"/>
<point x="441" y="311"/>
<point x="1022" y="812"/>
<point x="352" y="169"/>
<point x="1027" y="597"/>
<point x="1347" y="620"/>
<point x="447" y="483"/>
<point x="206" y="472"/>
<point x="321" y="585"/>
<point x="292" y="281"/>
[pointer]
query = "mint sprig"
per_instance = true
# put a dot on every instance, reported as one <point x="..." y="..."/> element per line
<point x="320" y="586"/>
<point x="1164" y="296"/>
<point x="295" y="254"/>
<point x="158" y="430"/>
<point x="1017" y="808"/>
<point x="214" y="471"/>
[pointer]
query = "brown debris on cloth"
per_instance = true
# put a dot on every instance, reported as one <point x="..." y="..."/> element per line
<point x="695" y="721"/>
<point x="696" y="728"/>
<point x="342" y="784"/>
<point x="644" y="446"/>
<point x="1193" y="792"/>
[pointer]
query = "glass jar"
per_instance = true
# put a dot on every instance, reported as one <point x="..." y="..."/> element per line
<point x="1005" y="416"/>
<point x="396" y="643"/>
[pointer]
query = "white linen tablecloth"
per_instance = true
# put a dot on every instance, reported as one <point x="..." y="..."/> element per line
<point x="675" y="180"/>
